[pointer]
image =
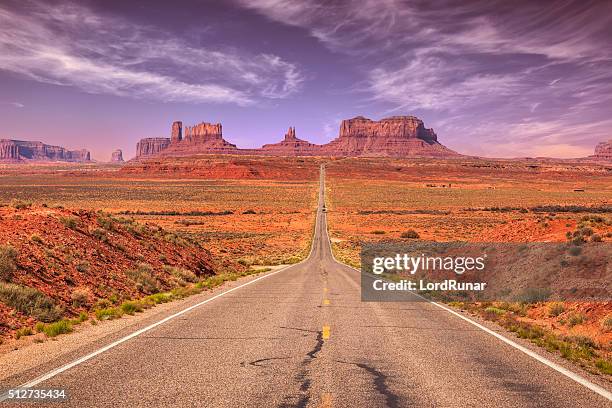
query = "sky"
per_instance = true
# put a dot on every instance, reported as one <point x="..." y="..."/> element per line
<point x="493" y="78"/>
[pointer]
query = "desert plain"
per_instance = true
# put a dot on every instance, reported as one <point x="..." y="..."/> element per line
<point x="98" y="241"/>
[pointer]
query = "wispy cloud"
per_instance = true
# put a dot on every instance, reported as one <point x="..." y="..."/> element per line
<point x="17" y="105"/>
<point x="72" y="45"/>
<point x="479" y="62"/>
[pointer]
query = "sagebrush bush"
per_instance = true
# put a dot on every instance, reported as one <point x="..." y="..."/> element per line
<point x="81" y="297"/>
<point x="144" y="278"/>
<point x="30" y="301"/>
<point x="555" y="309"/>
<point x="576" y="318"/>
<point x="411" y="234"/>
<point x="8" y="262"/>
<point x="21" y="204"/>
<point x="55" y="329"/>
<point x="69" y="222"/>
<point x="183" y="276"/>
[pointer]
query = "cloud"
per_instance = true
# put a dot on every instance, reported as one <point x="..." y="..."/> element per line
<point x="71" y="45"/>
<point x="17" y="105"/>
<point x="490" y="65"/>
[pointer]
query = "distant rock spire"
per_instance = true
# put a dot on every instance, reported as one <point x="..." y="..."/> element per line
<point x="290" y="135"/>
<point x="177" y="132"/>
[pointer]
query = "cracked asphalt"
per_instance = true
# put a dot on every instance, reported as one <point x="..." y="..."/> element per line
<point x="303" y="338"/>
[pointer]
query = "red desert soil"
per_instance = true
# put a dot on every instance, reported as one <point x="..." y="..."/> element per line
<point x="60" y="252"/>
<point x="224" y="167"/>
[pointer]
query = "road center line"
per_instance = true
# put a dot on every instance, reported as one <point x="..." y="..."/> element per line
<point x="326" y="332"/>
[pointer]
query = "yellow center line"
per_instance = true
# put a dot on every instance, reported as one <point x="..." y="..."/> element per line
<point x="325" y="290"/>
<point x="326" y="302"/>
<point x="326" y="332"/>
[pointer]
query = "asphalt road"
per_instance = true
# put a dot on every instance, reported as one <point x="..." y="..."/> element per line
<point x="302" y="338"/>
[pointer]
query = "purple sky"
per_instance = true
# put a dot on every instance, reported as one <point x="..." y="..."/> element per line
<point x="492" y="78"/>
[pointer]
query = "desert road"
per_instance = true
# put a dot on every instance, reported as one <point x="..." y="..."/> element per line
<point x="301" y="337"/>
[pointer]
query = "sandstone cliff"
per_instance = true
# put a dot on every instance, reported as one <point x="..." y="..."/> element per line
<point x="203" y="138"/>
<point x="603" y="151"/>
<point x="19" y="150"/>
<point x="151" y="146"/>
<point x="397" y="136"/>
<point x="291" y="146"/>
<point x="117" y="156"/>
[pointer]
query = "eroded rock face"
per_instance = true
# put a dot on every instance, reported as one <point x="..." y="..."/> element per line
<point x="291" y="146"/>
<point x="397" y="136"/>
<point x="9" y="150"/>
<point x="117" y="156"/>
<point x="603" y="151"/>
<point x="151" y="146"/>
<point x="203" y="138"/>
<point x="17" y="150"/>
<point x="177" y="132"/>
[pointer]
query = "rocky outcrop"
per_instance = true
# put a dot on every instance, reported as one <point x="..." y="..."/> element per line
<point x="19" y="150"/>
<point x="151" y="146"/>
<point x="291" y="146"/>
<point x="397" y="136"/>
<point x="177" y="132"/>
<point x="117" y="156"/>
<point x="603" y="151"/>
<point x="9" y="150"/>
<point x="203" y="138"/>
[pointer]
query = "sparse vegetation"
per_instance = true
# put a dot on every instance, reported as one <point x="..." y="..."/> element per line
<point x="183" y="276"/>
<point x="144" y="278"/>
<point x="30" y="302"/>
<point x="21" y="204"/>
<point x="410" y="234"/>
<point x="534" y="295"/>
<point x="606" y="324"/>
<point x="36" y="238"/>
<point x="81" y="297"/>
<point x="108" y="313"/>
<point x="24" y="331"/>
<point x="100" y="234"/>
<point x="69" y="222"/>
<point x="131" y="307"/>
<point x="55" y="329"/>
<point x="555" y="309"/>
<point x="575" y="319"/>
<point x="8" y="262"/>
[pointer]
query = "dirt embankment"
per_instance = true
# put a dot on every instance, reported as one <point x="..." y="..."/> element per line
<point x="57" y="263"/>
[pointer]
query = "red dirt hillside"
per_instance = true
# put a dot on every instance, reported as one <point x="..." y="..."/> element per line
<point x="76" y="258"/>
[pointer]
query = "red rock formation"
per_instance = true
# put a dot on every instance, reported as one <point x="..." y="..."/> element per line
<point x="151" y="146"/>
<point x="204" y="138"/>
<point x="291" y="146"/>
<point x="603" y="151"/>
<point x="9" y="150"/>
<point x="17" y="150"/>
<point x="117" y="156"/>
<point x="397" y="136"/>
<point x="177" y="132"/>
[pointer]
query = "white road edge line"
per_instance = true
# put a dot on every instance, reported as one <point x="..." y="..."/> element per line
<point x="93" y="354"/>
<point x="570" y="374"/>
